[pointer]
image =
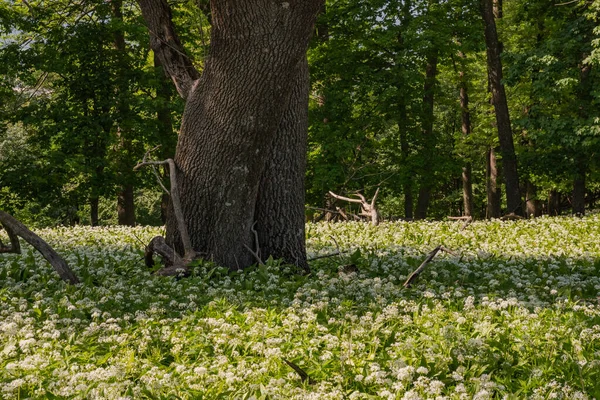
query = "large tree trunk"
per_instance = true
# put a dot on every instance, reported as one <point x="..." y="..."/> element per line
<point x="280" y="212"/>
<point x="507" y="148"/>
<point x="428" y="139"/>
<point x="237" y="115"/>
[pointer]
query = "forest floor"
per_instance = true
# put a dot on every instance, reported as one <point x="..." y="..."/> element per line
<point x="513" y="312"/>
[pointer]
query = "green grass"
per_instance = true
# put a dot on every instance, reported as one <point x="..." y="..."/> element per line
<point x="513" y="314"/>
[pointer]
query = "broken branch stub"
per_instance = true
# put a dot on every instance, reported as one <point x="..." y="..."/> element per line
<point x="16" y="228"/>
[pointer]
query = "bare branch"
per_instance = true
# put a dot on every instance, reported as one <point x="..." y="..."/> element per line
<point x="418" y="271"/>
<point x="58" y="263"/>
<point x="189" y="253"/>
<point x="345" y="198"/>
<point x="374" y="198"/>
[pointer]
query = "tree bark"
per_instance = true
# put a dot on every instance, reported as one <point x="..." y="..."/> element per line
<point x="280" y="212"/>
<point x="493" y="194"/>
<point x="232" y="124"/>
<point x="466" y="131"/>
<point x="554" y="203"/>
<point x="407" y="187"/>
<point x="578" y="202"/>
<point x="125" y="197"/>
<point x="167" y="137"/>
<point x="94" y="210"/>
<point x="505" y="136"/>
<point x="126" y="206"/>
<point x="428" y="139"/>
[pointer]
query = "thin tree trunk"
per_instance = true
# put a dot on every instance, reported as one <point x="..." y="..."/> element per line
<point x="554" y="203"/>
<point x="167" y="137"/>
<point x="94" y="211"/>
<point x="578" y="202"/>
<point x="533" y="204"/>
<point x="428" y="139"/>
<point x="407" y="187"/>
<point x="493" y="195"/>
<point x="126" y="206"/>
<point x="509" y="159"/>
<point x="125" y="197"/>
<point x="467" y="184"/>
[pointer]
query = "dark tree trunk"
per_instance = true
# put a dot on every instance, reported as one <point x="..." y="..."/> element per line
<point x="243" y="109"/>
<point x="167" y="137"/>
<point x="280" y="212"/>
<point x="578" y="202"/>
<point x="533" y="208"/>
<point x="493" y="194"/>
<point x="125" y="200"/>
<point x="407" y="186"/>
<point x="428" y="139"/>
<point x="554" y="203"/>
<point x="467" y="184"/>
<point x="94" y="211"/>
<point x="126" y="206"/>
<point x="507" y="148"/>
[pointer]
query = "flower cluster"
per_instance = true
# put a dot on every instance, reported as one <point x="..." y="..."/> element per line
<point x="513" y="311"/>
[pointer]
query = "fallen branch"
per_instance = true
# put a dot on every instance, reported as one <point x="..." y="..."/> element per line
<point x="427" y="260"/>
<point x="511" y="217"/>
<point x="15" y="228"/>
<point x="303" y="375"/>
<point x="171" y="258"/>
<point x="368" y="209"/>
<point x="468" y="219"/>
<point x="15" y="245"/>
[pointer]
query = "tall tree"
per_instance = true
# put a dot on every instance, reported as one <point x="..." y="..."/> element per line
<point x="241" y="150"/>
<point x="505" y="136"/>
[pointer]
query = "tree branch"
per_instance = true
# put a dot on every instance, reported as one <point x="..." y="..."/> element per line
<point x="165" y="43"/>
<point x="418" y="271"/>
<point x="190" y="254"/>
<point x="13" y="225"/>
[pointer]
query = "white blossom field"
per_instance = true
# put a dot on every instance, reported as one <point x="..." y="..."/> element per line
<point x="511" y="313"/>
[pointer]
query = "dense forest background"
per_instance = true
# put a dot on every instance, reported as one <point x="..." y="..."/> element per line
<point x="401" y="100"/>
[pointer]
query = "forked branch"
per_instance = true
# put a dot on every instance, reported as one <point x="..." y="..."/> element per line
<point x="368" y="209"/>
<point x="189" y="253"/>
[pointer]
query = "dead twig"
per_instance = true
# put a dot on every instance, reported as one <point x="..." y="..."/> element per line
<point x="303" y="375"/>
<point x="427" y="260"/>
<point x="256" y="253"/>
<point x="467" y="218"/>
